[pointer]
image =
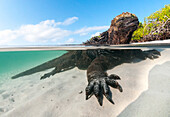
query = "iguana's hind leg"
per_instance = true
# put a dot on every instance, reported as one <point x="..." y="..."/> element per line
<point x="62" y="63"/>
<point x="80" y="59"/>
<point x="57" y="70"/>
<point x="152" y="54"/>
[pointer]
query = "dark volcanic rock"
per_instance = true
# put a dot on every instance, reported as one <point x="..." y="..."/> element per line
<point x="120" y="31"/>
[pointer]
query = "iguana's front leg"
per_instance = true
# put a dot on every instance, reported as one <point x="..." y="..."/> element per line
<point x="99" y="81"/>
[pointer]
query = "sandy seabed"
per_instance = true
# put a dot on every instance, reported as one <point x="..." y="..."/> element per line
<point x="145" y="93"/>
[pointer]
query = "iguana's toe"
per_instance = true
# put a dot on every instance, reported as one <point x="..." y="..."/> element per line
<point x="107" y="92"/>
<point x="98" y="92"/>
<point x="114" y="84"/>
<point x="114" y="76"/>
<point x="89" y="90"/>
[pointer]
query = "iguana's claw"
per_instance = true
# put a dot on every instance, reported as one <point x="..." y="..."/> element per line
<point x="100" y="87"/>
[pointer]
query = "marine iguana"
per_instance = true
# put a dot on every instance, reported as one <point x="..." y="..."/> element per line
<point x="97" y="62"/>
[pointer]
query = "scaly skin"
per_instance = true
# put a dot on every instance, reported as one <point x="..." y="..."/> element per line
<point x="120" y="31"/>
<point x="99" y="81"/>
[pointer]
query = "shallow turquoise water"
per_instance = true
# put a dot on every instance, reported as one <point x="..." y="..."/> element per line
<point x="17" y="61"/>
<point x="33" y="93"/>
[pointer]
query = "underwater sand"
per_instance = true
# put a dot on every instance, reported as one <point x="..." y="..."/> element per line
<point x="59" y="95"/>
<point x="155" y="102"/>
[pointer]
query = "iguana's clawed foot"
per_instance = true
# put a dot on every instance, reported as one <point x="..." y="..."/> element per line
<point x="100" y="87"/>
<point x="152" y="54"/>
<point x="45" y="76"/>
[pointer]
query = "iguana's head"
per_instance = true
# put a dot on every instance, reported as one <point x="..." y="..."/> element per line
<point x="122" y="28"/>
<point x="120" y="31"/>
<point x="125" y="21"/>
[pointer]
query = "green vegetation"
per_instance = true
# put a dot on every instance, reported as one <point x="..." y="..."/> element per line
<point x="95" y="37"/>
<point x="152" y="23"/>
<point x="98" y="36"/>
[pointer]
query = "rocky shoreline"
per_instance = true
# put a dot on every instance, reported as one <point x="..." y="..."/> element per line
<point x="162" y="33"/>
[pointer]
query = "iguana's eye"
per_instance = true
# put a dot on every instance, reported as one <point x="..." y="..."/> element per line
<point x="122" y="18"/>
<point x="132" y="16"/>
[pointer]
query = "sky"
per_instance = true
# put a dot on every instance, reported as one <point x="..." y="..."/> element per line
<point x="53" y="22"/>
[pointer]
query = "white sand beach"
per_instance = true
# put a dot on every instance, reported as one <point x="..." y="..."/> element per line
<point x="145" y="93"/>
